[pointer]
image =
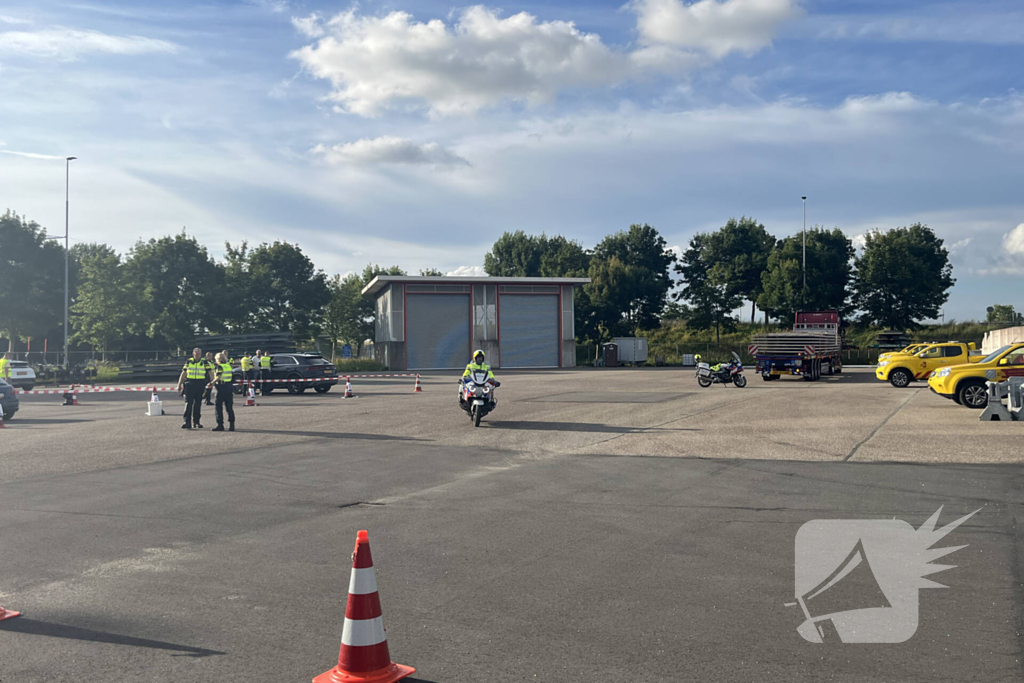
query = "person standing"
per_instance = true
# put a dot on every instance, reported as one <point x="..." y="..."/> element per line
<point x="193" y="380"/>
<point x="223" y="378"/>
<point x="5" y="367"/>
<point x="246" y="371"/>
<point x="212" y="367"/>
<point x="265" y="365"/>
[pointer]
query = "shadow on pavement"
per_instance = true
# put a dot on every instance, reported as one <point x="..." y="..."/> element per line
<point x="46" y="628"/>
<point x="331" y="435"/>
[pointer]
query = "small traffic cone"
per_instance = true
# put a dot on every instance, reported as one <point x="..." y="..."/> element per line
<point x="417" y="389"/>
<point x="250" y="399"/>
<point x="364" y="656"/>
<point x="348" y="389"/>
<point x="8" y="614"/>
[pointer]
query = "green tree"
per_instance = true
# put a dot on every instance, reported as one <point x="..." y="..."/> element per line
<point x="561" y="257"/>
<point x="631" y="280"/>
<point x="737" y="254"/>
<point x="1000" y="313"/>
<point x="288" y="291"/>
<point x="104" y="306"/>
<point x="430" y="272"/>
<point x="829" y="272"/>
<point x="344" y="317"/>
<point x="710" y="303"/>
<point x="31" y="279"/>
<point x="514" y="254"/>
<point x="175" y="284"/>
<point x="903" y="276"/>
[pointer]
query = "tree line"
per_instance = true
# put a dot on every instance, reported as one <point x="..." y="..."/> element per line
<point x="169" y="290"/>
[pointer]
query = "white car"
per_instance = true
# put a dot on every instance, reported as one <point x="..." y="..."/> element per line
<point x="22" y="375"/>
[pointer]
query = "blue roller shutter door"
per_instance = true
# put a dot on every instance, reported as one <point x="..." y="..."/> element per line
<point x="437" y="334"/>
<point x="528" y="329"/>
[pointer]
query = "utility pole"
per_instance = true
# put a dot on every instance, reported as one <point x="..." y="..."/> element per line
<point x="804" y="300"/>
<point x="67" y="251"/>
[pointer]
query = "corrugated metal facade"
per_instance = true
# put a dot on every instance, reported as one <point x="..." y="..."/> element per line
<point x="528" y="330"/>
<point x="438" y="331"/>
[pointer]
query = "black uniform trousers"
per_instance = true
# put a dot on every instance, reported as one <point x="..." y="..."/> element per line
<point x="225" y="400"/>
<point x="194" y="389"/>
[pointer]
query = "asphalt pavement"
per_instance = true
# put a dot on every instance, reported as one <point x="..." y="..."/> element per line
<point x="618" y="525"/>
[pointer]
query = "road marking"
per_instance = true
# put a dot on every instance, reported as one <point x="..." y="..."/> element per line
<point x="883" y="423"/>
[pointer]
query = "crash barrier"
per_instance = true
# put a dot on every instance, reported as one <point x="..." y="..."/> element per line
<point x="364" y="654"/>
<point x="7" y="614"/>
<point x="1013" y="390"/>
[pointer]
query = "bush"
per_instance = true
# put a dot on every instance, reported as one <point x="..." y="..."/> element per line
<point x="348" y="366"/>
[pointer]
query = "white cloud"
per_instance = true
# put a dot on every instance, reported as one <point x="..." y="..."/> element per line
<point x="30" y="155"/>
<point x="713" y="26"/>
<point x="5" y="19"/>
<point x="467" y="271"/>
<point x="389" y="150"/>
<point x="68" y="44"/>
<point x="1013" y="241"/>
<point x="377" y="62"/>
<point x="311" y="26"/>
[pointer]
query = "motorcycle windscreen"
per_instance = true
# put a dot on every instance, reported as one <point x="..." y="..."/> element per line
<point x="437" y="333"/>
<point x="528" y="330"/>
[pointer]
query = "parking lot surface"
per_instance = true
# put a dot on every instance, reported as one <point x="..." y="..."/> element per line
<point x="600" y="525"/>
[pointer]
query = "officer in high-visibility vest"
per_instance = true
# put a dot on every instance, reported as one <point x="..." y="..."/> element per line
<point x="193" y="380"/>
<point x="479" y="364"/>
<point x="225" y="394"/>
<point x="5" y="368"/>
<point x="265" y="364"/>
<point x="246" y="367"/>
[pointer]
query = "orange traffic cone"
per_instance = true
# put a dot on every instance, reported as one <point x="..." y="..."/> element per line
<point x="250" y="399"/>
<point x="348" y="389"/>
<point x="364" y="656"/>
<point x="8" y="614"/>
<point x="417" y="389"/>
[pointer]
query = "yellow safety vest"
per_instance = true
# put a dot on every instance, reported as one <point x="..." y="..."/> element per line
<point x="225" y="373"/>
<point x="246" y="363"/>
<point x="195" y="369"/>
<point x="265" y="362"/>
<point x="473" y="367"/>
<point x="5" y="368"/>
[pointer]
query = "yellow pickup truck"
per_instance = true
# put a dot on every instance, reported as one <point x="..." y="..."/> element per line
<point x="902" y="369"/>
<point x="965" y="384"/>
<point x="909" y="350"/>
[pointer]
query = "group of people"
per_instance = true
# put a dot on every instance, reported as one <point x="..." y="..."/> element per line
<point x="203" y="378"/>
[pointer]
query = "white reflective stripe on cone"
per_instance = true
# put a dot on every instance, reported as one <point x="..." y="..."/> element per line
<point x="362" y="582"/>
<point x="362" y="632"/>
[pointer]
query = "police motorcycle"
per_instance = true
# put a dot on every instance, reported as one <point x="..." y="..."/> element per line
<point x="723" y="373"/>
<point x="476" y="395"/>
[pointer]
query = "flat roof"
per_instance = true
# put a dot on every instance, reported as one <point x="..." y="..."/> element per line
<point x="379" y="282"/>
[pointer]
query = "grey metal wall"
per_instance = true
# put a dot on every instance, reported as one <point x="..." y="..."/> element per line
<point x="437" y="334"/>
<point x="528" y="329"/>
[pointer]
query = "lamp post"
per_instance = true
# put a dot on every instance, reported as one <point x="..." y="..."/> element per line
<point x="67" y="250"/>
<point x="804" y="298"/>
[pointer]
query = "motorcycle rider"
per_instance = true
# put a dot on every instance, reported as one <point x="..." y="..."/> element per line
<point x="479" y="365"/>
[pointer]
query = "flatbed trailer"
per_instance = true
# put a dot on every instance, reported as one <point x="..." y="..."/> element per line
<point x="813" y="348"/>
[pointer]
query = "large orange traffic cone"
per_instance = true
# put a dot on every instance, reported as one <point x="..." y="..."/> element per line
<point x="8" y="614"/>
<point x="348" y="389"/>
<point x="417" y="389"/>
<point x="364" y="656"/>
<point x="250" y="399"/>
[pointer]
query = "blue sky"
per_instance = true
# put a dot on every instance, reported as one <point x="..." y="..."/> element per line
<point x="417" y="132"/>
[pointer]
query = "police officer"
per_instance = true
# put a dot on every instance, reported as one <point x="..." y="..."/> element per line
<point x="5" y="368"/>
<point x="246" y="367"/>
<point x="193" y="380"/>
<point x="211" y="365"/>
<point x="224" y="378"/>
<point x="265" y="364"/>
<point x="479" y="365"/>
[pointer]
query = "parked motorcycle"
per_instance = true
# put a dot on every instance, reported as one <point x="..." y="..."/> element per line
<point x="728" y="373"/>
<point x="476" y="396"/>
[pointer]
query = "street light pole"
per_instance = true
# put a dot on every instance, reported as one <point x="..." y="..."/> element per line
<point x="804" y="299"/>
<point x="67" y="250"/>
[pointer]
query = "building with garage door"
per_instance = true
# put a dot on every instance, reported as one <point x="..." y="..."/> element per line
<point x="426" y="323"/>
